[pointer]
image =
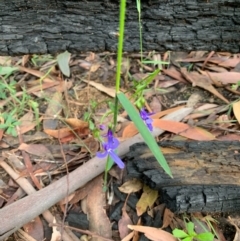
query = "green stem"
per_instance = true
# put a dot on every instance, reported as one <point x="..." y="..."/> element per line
<point x="120" y="42"/>
<point x="105" y="175"/>
<point x="119" y="56"/>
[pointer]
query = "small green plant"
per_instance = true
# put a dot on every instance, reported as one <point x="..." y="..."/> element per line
<point x="235" y="86"/>
<point x="9" y="123"/>
<point x="190" y="234"/>
<point x="17" y="104"/>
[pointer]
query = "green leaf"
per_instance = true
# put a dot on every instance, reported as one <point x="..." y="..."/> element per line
<point x="138" y="2"/>
<point x="188" y="239"/>
<point x="63" y="63"/>
<point x="178" y="233"/>
<point x="3" y="126"/>
<point x="190" y="228"/>
<point x="205" y="236"/>
<point x="109" y="164"/>
<point x="7" y="70"/>
<point x="147" y="136"/>
<point x="151" y="77"/>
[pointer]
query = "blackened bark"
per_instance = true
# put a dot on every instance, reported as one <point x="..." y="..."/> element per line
<point x="205" y="174"/>
<point x="49" y="26"/>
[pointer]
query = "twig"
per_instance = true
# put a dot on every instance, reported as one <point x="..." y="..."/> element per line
<point x="29" y="189"/>
<point x="81" y="231"/>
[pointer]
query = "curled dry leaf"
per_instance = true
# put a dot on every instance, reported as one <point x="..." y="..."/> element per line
<point x="153" y="233"/>
<point x="133" y="185"/>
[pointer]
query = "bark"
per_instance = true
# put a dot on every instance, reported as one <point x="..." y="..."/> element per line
<point x="205" y="174"/>
<point x="49" y="26"/>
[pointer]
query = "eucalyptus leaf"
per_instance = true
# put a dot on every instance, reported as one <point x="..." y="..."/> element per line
<point x="147" y="136"/>
<point x="63" y="63"/>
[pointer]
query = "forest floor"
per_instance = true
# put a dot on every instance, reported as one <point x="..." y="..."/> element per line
<point x="51" y="107"/>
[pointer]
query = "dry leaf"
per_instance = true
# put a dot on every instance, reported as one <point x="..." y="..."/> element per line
<point x="76" y="123"/>
<point x="225" y="77"/>
<point x="153" y="233"/>
<point x="99" y="222"/>
<point x="236" y="110"/>
<point x="203" y="82"/>
<point x="109" y="91"/>
<point x="53" y="110"/>
<point x="124" y="222"/>
<point x="36" y="149"/>
<point x="191" y="132"/>
<point x="167" y="218"/>
<point x="133" y="185"/>
<point x="35" y="229"/>
<point x="146" y="200"/>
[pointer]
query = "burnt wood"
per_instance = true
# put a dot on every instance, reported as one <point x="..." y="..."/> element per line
<point x="206" y="175"/>
<point x="50" y="26"/>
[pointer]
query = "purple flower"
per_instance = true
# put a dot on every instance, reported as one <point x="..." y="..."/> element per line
<point x="145" y="117"/>
<point x="109" y="149"/>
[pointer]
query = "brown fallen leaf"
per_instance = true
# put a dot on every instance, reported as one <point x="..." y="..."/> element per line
<point x="167" y="218"/>
<point x="27" y="123"/>
<point x="153" y="233"/>
<point x="99" y="222"/>
<point x="133" y="185"/>
<point x="35" y="229"/>
<point x="202" y="82"/>
<point x="36" y="149"/>
<point x="191" y="132"/>
<point x="109" y="91"/>
<point x="124" y="221"/>
<point x="76" y="123"/>
<point x="236" y="110"/>
<point x="53" y="110"/>
<point x="146" y="200"/>
<point x="225" y="77"/>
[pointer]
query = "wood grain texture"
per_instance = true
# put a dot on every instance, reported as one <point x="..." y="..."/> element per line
<point x="48" y="26"/>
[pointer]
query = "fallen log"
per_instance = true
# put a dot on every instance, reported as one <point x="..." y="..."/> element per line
<point x="47" y="26"/>
<point x="206" y="174"/>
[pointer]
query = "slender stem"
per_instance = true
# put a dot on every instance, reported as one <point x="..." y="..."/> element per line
<point x="119" y="57"/>
<point x="120" y="42"/>
<point x="105" y="175"/>
<point x="140" y="34"/>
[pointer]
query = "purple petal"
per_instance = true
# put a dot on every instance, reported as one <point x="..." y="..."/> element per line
<point x="113" y="143"/>
<point x="116" y="159"/>
<point x="102" y="127"/>
<point x="150" y="127"/>
<point x="101" y="154"/>
<point x="143" y="114"/>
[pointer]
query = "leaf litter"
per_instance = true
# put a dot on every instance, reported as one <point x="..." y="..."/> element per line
<point x="65" y="88"/>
